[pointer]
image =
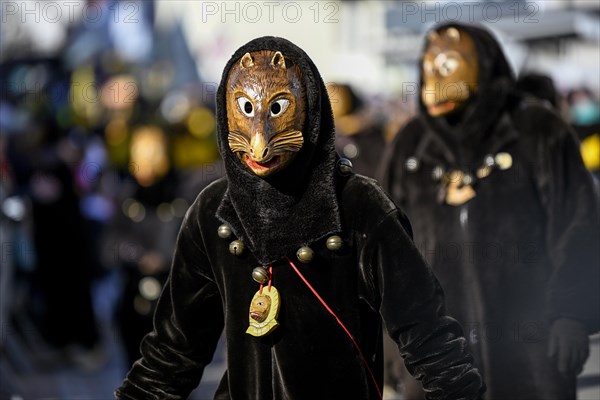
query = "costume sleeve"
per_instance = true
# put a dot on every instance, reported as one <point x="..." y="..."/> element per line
<point x="187" y="325"/>
<point x="571" y="204"/>
<point x="390" y="169"/>
<point x="412" y="307"/>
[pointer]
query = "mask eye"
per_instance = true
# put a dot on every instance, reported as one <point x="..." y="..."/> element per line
<point x="446" y="65"/>
<point x="245" y="106"/>
<point x="278" y="107"/>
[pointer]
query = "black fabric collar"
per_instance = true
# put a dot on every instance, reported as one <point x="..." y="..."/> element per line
<point x="276" y="216"/>
<point x="434" y="150"/>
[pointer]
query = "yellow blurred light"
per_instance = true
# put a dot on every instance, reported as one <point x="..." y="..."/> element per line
<point x="590" y="151"/>
<point x="148" y="155"/>
<point x="116" y="132"/>
<point x="149" y="287"/>
<point x="201" y="122"/>
<point x="84" y="95"/>
<point x="119" y="92"/>
<point x="189" y="151"/>
<point x="340" y="99"/>
<point x="136" y="211"/>
<point x="165" y="212"/>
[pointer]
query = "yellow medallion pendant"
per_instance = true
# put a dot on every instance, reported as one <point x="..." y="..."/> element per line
<point x="458" y="190"/>
<point x="264" y="309"/>
<point x="459" y="195"/>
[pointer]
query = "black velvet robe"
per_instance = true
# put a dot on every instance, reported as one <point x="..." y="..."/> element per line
<point x="377" y="281"/>
<point x="524" y="251"/>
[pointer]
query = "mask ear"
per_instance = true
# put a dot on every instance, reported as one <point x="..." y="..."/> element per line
<point x="278" y="61"/>
<point x="432" y="36"/>
<point x="453" y="34"/>
<point x="247" y="61"/>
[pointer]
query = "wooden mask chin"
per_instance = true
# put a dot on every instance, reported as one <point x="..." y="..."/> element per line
<point x="450" y="71"/>
<point x="266" y="107"/>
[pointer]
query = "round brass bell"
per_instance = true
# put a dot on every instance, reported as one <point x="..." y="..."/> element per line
<point x="260" y="275"/>
<point x="224" y="231"/>
<point x="305" y="254"/>
<point x="334" y="243"/>
<point x="236" y="247"/>
<point x="344" y="166"/>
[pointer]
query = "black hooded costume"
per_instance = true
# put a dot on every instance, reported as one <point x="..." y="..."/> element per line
<point x="377" y="275"/>
<point x="524" y="251"/>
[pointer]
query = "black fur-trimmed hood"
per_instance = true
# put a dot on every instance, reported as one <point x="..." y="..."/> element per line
<point x="464" y="135"/>
<point x="297" y="206"/>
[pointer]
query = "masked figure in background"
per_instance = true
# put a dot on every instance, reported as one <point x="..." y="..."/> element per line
<point x="504" y="211"/>
<point x="359" y="133"/>
<point x="41" y="158"/>
<point x="290" y="221"/>
<point x="142" y="235"/>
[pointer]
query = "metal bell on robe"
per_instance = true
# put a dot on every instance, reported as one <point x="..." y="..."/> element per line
<point x="412" y="164"/>
<point x="260" y="275"/>
<point x="344" y="166"/>
<point x="236" y="247"/>
<point x="334" y="243"/>
<point x="305" y="254"/>
<point x="224" y="231"/>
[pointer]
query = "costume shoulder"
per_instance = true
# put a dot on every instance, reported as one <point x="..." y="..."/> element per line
<point x="210" y="197"/>
<point x="366" y="204"/>
<point x="538" y="122"/>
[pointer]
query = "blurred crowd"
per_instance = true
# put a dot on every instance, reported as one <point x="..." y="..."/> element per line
<point x="103" y="148"/>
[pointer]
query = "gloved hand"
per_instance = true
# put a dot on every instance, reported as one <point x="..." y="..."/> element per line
<point x="568" y="345"/>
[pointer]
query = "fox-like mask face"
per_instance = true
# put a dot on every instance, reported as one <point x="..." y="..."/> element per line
<point x="450" y="71"/>
<point x="266" y="106"/>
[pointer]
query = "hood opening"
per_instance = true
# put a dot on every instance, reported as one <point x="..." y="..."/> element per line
<point x="274" y="216"/>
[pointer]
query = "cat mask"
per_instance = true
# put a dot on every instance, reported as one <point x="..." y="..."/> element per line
<point x="266" y="107"/>
<point x="450" y="71"/>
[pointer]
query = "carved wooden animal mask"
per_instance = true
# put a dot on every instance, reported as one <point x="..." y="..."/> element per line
<point x="450" y="71"/>
<point x="266" y="106"/>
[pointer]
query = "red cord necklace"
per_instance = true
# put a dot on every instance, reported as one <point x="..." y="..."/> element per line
<point x="340" y="323"/>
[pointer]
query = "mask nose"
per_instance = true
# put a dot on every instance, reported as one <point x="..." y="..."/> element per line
<point x="259" y="148"/>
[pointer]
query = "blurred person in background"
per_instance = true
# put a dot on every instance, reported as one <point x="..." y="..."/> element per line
<point x="359" y="132"/>
<point x="505" y="212"/>
<point x="165" y="171"/>
<point x="581" y="110"/>
<point x="538" y="88"/>
<point x="142" y="233"/>
<point x="44" y="158"/>
<point x="17" y="258"/>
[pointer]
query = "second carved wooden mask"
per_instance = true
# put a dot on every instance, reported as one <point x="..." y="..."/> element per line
<point x="450" y="71"/>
